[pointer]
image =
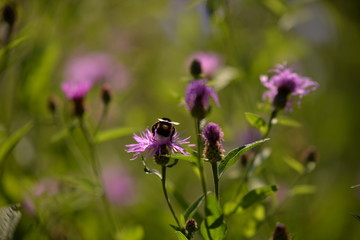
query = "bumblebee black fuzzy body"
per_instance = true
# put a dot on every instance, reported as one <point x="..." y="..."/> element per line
<point x="164" y="128"/>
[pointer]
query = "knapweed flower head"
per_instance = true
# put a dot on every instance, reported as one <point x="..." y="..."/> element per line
<point x="81" y="73"/>
<point x="162" y="140"/>
<point x="284" y="85"/>
<point x="197" y="98"/>
<point x="119" y="185"/>
<point x="209" y="62"/>
<point x="213" y="136"/>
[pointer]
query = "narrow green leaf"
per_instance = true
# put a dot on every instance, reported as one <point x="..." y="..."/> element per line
<point x="215" y="218"/>
<point x="257" y="122"/>
<point x="355" y="186"/>
<point x="303" y="189"/>
<point x="7" y="145"/>
<point x="180" y="236"/>
<point x="193" y="208"/>
<point x="294" y="164"/>
<point x="188" y="158"/>
<point x="64" y="132"/>
<point x="357" y="217"/>
<point x="235" y="154"/>
<point x="113" y="134"/>
<point x="287" y="121"/>
<point x="9" y="218"/>
<point x="223" y="77"/>
<point x="252" y="197"/>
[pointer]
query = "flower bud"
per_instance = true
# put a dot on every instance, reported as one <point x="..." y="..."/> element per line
<point x="280" y="232"/>
<point x="52" y="105"/>
<point x="213" y="137"/>
<point x="106" y="94"/>
<point x="79" y="108"/>
<point x="195" y="68"/>
<point x="9" y="14"/>
<point x="191" y="226"/>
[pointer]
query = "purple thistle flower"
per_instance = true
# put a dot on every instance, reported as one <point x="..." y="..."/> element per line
<point x="197" y="98"/>
<point x="154" y="144"/>
<point x="285" y="83"/>
<point x="81" y="73"/>
<point x="209" y="62"/>
<point x="213" y="136"/>
<point x="119" y="186"/>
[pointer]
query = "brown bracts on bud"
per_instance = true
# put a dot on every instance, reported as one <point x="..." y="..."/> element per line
<point x="280" y="233"/>
<point x="9" y="14"/>
<point x="79" y="108"/>
<point x="106" y="94"/>
<point x="195" y="69"/>
<point x="213" y="137"/>
<point x="191" y="227"/>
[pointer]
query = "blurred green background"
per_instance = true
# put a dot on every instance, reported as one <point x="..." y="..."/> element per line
<point x="153" y="40"/>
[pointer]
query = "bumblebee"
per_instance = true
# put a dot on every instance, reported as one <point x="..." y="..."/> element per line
<point x="164" y="128"/>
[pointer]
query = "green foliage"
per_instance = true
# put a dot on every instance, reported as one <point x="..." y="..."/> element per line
<point x="112" y="134"/>
<point x="257" y="122"/>
<point x="180" y="236"/>
<point x="9" y="219"/>
<point x="190" y="211"/>
<point x="236" y="153"/>
<point x="10" y="142"/>
<point x="252" y="197"/>
<point x="215" y="218"/>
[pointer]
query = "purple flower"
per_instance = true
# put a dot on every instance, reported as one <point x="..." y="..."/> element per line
<point x="209" y="62"/>
<point x="285" y="83"/>
<point x="213" y="136"/>
<point x="197" y="98"/>
<point x="154" y="145"/>
<point x="118" y="185"/>
<point x="82" y="72"/>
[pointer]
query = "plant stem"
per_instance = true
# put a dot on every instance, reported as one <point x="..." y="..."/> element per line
<point x="214" y="167"/>
<point x="96" y="167"/>
<point x="163" y="181"/>
<point x="102" y="118"/>
<point x="201" y="170"/>
<point x="252" y="160"/>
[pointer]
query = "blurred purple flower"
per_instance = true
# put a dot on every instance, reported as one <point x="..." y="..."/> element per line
<point x="197" y="98"/>
<point x="210" y="62"/>
<point x="45" y="187"/>
<point x="285" y="83"/>
<point x="154" y="144"/>
<point x="82" y="72"/>
<point x="118" y="185"/>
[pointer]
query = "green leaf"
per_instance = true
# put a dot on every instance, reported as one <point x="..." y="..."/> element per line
<point x="193" y="208"/>
<point x="357" y="217"/>
<point x="188" y="158"/>
<point x="180" y="236"/>
<point x="64" y="132"/>
<point x="223" y="77"/>
<point x="235" y="154"/>
<point x="252" y="197"/>
<point x="294" y="164"/>
<point x="112" y="134"/>
<point x="302" y="190"/>
<point x="287" y="121"/>
<point x="355" y="186"/>
<point x="257" y="122"/>
<point x="130" y="233"/>
<point x="9" y="218"/>
<point x="12" y="44"/>
<point x="215" y="218"/>
<point x="7" y="145"/>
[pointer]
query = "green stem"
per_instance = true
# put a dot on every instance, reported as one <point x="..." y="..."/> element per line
<point x="163" y="181"/>
<point x="202" y="175"/>
<point x="102" y="118"/>
<point x="252" y="160"/>
<point x="96" y="167"/>
<point x="214" y="167"/>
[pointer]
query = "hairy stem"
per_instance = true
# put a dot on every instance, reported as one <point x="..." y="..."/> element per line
<point x="202" y="175"/>
<point x="163" y="181"/>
